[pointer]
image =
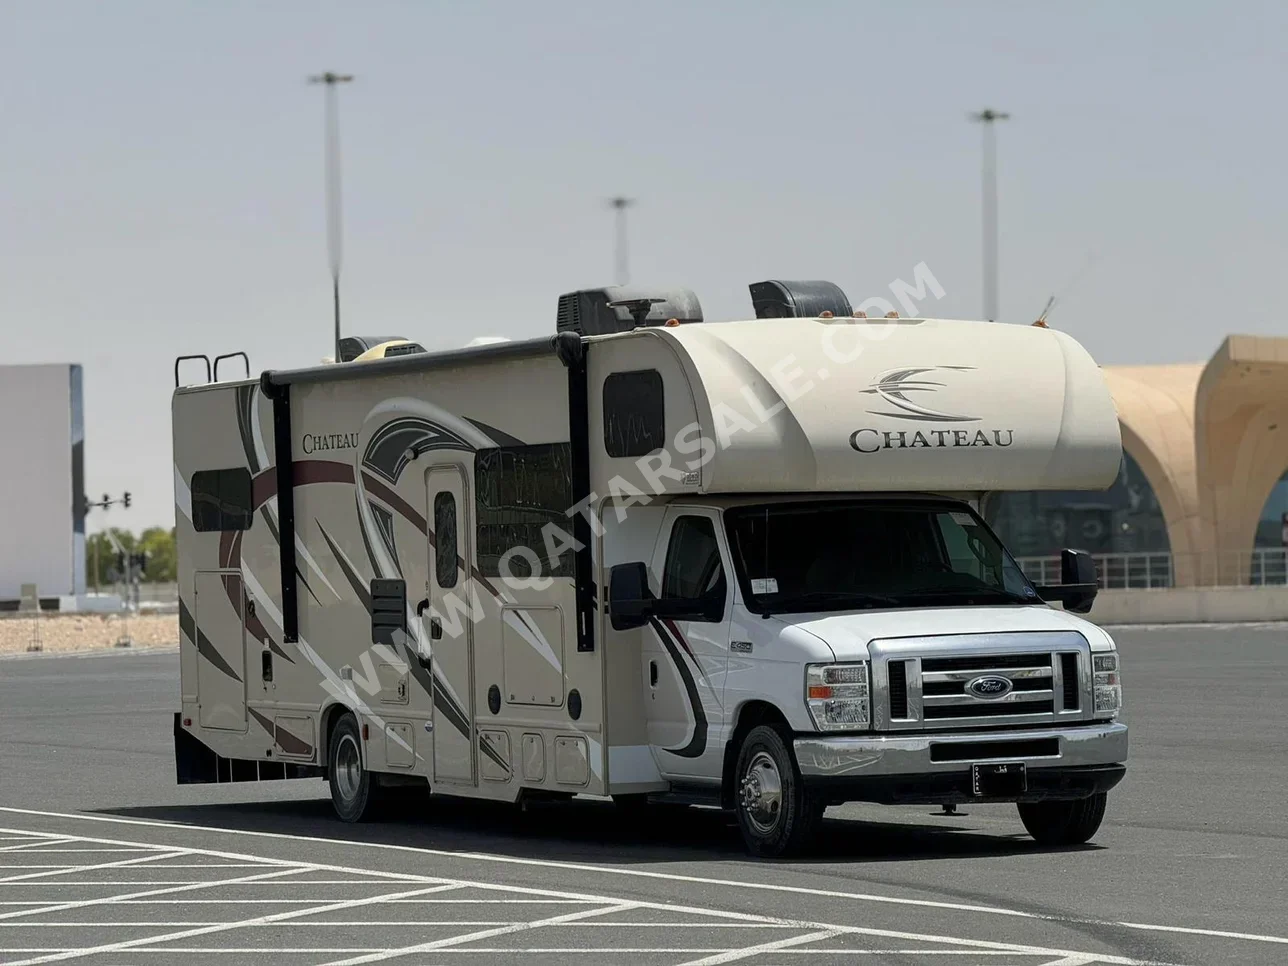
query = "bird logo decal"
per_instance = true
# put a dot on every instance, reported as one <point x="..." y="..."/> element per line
<point x="895" y="385"/>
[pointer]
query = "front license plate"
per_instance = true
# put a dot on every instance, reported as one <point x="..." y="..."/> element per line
<point x="1002" y="780"/>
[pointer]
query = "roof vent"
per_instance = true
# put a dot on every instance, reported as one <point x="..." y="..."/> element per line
<point x="390" y="349"/>
<point x="355" y="345"/>
<point x="620" y="308"/>
<point x="798" y="300"/>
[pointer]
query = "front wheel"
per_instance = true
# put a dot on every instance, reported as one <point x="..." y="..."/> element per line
<point x="777" y="814"/>
<point x="1064" y="823"/>
<point x="353" y="788"/>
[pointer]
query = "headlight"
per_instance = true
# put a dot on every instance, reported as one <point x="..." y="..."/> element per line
<point x="1108" y="688"/>
<point x="837" y="696"/>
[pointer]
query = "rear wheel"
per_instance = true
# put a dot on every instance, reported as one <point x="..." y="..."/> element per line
<point x="1064" y="823"/>
<point x="353" y="788"/>
<point x="777" y="813"/>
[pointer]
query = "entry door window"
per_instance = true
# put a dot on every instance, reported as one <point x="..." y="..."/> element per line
<point x="693" y="570"/>
<point x="445" y="556"/>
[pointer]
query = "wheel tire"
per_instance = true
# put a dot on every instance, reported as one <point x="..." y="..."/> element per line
<point x="1064" y="823"/>
<point x="777" y="813"/>
<point x="353" y="789"/>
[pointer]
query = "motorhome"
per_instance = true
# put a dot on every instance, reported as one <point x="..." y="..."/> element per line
<point x="654" y="558"/>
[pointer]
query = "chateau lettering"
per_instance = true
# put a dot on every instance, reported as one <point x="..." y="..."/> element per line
<point x="315" y="443"/>
<point x="872" y="440"/>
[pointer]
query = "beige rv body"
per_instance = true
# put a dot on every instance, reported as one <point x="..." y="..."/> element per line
<point x="504" y="700"/>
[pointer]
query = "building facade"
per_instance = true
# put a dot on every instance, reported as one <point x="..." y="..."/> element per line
<point x="1202" y="496"/>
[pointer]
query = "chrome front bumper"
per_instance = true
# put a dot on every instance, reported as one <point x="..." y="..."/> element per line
<point x="873" y="756"/>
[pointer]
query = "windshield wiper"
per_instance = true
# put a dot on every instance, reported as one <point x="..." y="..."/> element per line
<point x="991" y="593"/>
<point x="858" y="598"/>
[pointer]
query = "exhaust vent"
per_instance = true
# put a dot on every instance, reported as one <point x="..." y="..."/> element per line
<point x="620" y="308"/>
<point x="798" y="300"/>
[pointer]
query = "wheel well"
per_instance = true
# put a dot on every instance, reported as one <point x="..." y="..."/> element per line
<point x="330" y="717"/>
<point x="750" y="715"/>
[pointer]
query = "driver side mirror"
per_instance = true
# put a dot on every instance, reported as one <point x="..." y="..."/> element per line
<point x="1078" y="587"/>
<point x="631" y="603"/>
<point x="629" y="599"/>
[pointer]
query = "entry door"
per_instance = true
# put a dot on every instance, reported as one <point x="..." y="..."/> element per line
<point x="448" y="628"/>
<point x="218" y="603"/>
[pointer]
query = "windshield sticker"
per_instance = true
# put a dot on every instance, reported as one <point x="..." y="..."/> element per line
<point x="764" y="585"/>
<point x="965" y="519"/>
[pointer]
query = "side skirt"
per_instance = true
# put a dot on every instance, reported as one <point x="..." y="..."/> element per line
<point x="196" y="764"/>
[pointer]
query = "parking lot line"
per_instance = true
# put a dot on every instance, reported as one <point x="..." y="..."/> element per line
<point x="63" y="870"/>
<point x="748" y="952"/>
<point x="220" y="927"/>
<point x="469" y="937"/>
<point x="602" y="906"/>
<point x="44" y="908"/>
<point x="666" y="876"/>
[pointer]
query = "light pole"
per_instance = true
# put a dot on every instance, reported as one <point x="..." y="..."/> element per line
<point x="332" y="148"/>
<point x="620" y="254"/>
<point x="988" y="118"/>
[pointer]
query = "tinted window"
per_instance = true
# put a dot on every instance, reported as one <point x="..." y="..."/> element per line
<point x="222" y="500"/>
<point x="693" y="570"/>
<point x="521" y="489"/>
<point x="634" y="416"/>
<point x="445" y="539"/>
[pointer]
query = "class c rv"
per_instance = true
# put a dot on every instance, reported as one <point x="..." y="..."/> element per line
<point x="653" y="558"/>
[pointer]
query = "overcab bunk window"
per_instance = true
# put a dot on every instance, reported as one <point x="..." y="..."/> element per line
<point x="520" y="491"/>
<point x="634" y="413"/>
<point x="222" y="500"/>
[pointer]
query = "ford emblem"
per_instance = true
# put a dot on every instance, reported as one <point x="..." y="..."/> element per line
<point x="989" y="686"/>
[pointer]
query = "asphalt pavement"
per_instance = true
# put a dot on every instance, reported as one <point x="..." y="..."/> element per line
<point x="104" y="860"/>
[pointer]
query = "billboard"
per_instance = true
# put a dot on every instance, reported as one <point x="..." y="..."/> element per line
<point x="42" y="434"/>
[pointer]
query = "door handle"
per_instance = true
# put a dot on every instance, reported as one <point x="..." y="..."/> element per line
<point x="652" y="673"/>
<point x="266" y="666"/>
<point x="435" y="629"/>
<point x="422" y="607"/>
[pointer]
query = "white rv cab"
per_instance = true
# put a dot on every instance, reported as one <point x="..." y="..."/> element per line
<point x="656" y="558"/>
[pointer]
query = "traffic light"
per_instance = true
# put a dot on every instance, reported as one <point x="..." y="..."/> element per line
<point x="125" y="500"/>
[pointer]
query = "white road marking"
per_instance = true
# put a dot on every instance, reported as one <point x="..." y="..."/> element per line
<point x="610" y="904"/>
<point x="747" y="952"/>
<point x="44" y="908"/>
<point x="220" y="927"/>
<point x="63" y="870"/>
<point x="666" y="876"/>
<point x="30" y="844"/>
<point x="470" y="937"/>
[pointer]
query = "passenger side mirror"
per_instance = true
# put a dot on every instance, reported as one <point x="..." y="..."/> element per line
<point x="1078" y="587"/>
<point x="629" y="599"/>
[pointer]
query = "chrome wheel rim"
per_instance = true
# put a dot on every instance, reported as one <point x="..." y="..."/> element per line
<point x="348" y="768"/>
<point x="761" y="792"/>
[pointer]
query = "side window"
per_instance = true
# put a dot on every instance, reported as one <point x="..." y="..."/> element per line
<point x="634" y="413"/>
<point x="519" y="490"/>
<point x="445" y="539"/>
<point x="693" y="570"/>
<point x="222" y="500"/>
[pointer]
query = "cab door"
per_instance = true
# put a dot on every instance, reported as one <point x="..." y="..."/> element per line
<point x="686" y="661"/>
<point x="448" y="627"/>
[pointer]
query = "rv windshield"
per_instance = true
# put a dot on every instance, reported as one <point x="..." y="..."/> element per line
<point x="834" y="555"/>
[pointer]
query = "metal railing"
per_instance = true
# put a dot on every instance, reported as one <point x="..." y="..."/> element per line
<point x="1263" y="567"/>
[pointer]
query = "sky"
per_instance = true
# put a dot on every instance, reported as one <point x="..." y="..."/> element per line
<point x="162" y="193"/>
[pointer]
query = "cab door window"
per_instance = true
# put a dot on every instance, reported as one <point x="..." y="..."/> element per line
<point x="693" y="570"/>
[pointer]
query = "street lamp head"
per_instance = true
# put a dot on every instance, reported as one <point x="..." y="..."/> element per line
<point x="988" y="115"/>
<point x="330" y="78"/>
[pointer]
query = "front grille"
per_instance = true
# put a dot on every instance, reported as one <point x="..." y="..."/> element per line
<point x="923" y="683"/>
<point x="1069" y="669"/>
<point x="898" y="672"/>
<point x="985" y="663"/>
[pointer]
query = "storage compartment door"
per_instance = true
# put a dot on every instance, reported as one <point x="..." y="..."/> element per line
<point x="219" y="605"/>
